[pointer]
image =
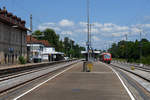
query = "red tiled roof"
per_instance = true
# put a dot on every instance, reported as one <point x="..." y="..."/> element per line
<point x="45" y="42"/>
<point x="31" y="39"/>
<point x="10" y="19"/>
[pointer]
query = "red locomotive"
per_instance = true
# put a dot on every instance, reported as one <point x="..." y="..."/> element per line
<point x="106" y="57"/>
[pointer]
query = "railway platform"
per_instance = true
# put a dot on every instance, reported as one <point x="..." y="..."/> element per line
<point x="3" y="67"/>
<point x="100" y="84"/>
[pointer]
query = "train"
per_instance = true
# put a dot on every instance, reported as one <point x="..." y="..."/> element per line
<point x="106" y="57"/>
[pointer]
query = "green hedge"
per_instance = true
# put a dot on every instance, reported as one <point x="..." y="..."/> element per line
<point x="22" y="60"/>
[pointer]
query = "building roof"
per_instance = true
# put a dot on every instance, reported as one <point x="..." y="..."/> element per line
<point x="85" y="52"/>
<point x="45" y="43"/>
<point x="12" y="20"/>
<point x="32" y="40"/>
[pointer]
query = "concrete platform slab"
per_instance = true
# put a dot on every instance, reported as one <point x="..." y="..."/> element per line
<point x="100" y="84"/>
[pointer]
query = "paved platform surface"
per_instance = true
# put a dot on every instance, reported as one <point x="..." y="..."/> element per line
<point x="100" y="84"/>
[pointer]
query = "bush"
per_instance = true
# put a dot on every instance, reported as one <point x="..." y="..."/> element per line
<point x="146" y="60"/>
<point x="22" y="60"/>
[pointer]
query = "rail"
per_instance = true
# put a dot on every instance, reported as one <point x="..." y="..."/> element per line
<point x="12" y="81"/>
<point x="16" y="70"/>
<point x="127" y="69"/>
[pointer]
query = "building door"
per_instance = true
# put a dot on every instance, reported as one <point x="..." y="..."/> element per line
<point x="12" y="58"/>
<point x="5" y="58"/>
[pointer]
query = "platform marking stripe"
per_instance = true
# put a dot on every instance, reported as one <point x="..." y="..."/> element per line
<point x="42" y="83"/>
<point x="130" y="94"/>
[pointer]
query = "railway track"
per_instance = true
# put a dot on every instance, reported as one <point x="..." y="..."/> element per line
<point x="128" y="69"/>
<point x="18" y="70"/>
<point x="135" y="82"/>
<point x="13" y="80"/>
<point x="25" y="72"/>
<point x="143" y="68"/>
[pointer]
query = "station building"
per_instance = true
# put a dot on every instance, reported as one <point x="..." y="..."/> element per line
<point x="35" y="47"/>
<point x="42" y="49"/>
<point x="12" y="37"/>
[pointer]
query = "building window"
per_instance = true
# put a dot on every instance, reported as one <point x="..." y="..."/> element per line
<point x="24" y="38"/>
<point x="16" y="56"/>
<point x="5" y="55"/>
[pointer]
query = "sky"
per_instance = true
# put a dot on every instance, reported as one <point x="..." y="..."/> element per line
<point x="111" y="19"/>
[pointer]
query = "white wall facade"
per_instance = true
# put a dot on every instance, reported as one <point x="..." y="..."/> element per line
<point x="47" y="51"/>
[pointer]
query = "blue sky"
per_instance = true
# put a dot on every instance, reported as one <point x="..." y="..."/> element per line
<point x="111" y="19"/>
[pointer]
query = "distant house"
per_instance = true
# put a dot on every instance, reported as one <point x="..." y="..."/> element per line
<point x="50" y="54"/>
<point x="43" y="49"/>
<point x="35" y="47"/>
<point x="47" y="53"/>
<point x="12" y="37"/>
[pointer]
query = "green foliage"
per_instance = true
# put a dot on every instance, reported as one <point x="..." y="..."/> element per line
<point x="22" y="60"/>
<point x="131" y="50"/>
<point x="67" y="46"/>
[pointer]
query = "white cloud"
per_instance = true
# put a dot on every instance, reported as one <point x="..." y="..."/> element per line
<point x="121" y="28"/>
<point x="96" y="24"/>
<point x="95" y="38"/>
<point x="83" y="24"/>
<point x="106" y="29"/>
<point x="84" y="30"/>
<point x="94" y="30"/>
<point x="42" y="27"/>
<point x="83" y="43"/>
<point x="66" y="23"/>
<point x="116" y="34"/>
<point x="56" y="28"/>
<point x="108" y="24"/>
<point x="99" y="30"/>
<point x="135" y="30"/>
<point x="147" y="25"/>
<point x="67" y="32"/>
<point x="49" y="25"/>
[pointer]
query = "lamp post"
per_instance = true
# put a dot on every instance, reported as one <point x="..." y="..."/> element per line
<point x="90" y="36"/>
<point x="88" y="30"/>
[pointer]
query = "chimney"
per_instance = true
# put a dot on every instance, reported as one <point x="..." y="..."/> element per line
<point x="4" y="8"/>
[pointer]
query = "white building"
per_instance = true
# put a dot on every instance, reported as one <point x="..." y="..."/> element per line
<point x="36" y="50"/>
<point x="41" y="49"/>
<point x="50" y="54"/>
<point x="47" y="52"/>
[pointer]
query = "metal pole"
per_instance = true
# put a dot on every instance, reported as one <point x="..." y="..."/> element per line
<point x="140" y="47"/>
<point x="31" y="24"/>
<point x="90" y="46"/>
<point x="31" y="49"/>
<point x="126" y="46"/>
<point x="88" y="31"/>
<point x="90" y="35"/>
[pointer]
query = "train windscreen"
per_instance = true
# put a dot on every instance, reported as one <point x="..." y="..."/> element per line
<point x="107" y="56"/>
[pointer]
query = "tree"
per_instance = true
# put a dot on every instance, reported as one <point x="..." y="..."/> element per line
<point x="130" y="50"/>
<point x="67" y="46"/>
